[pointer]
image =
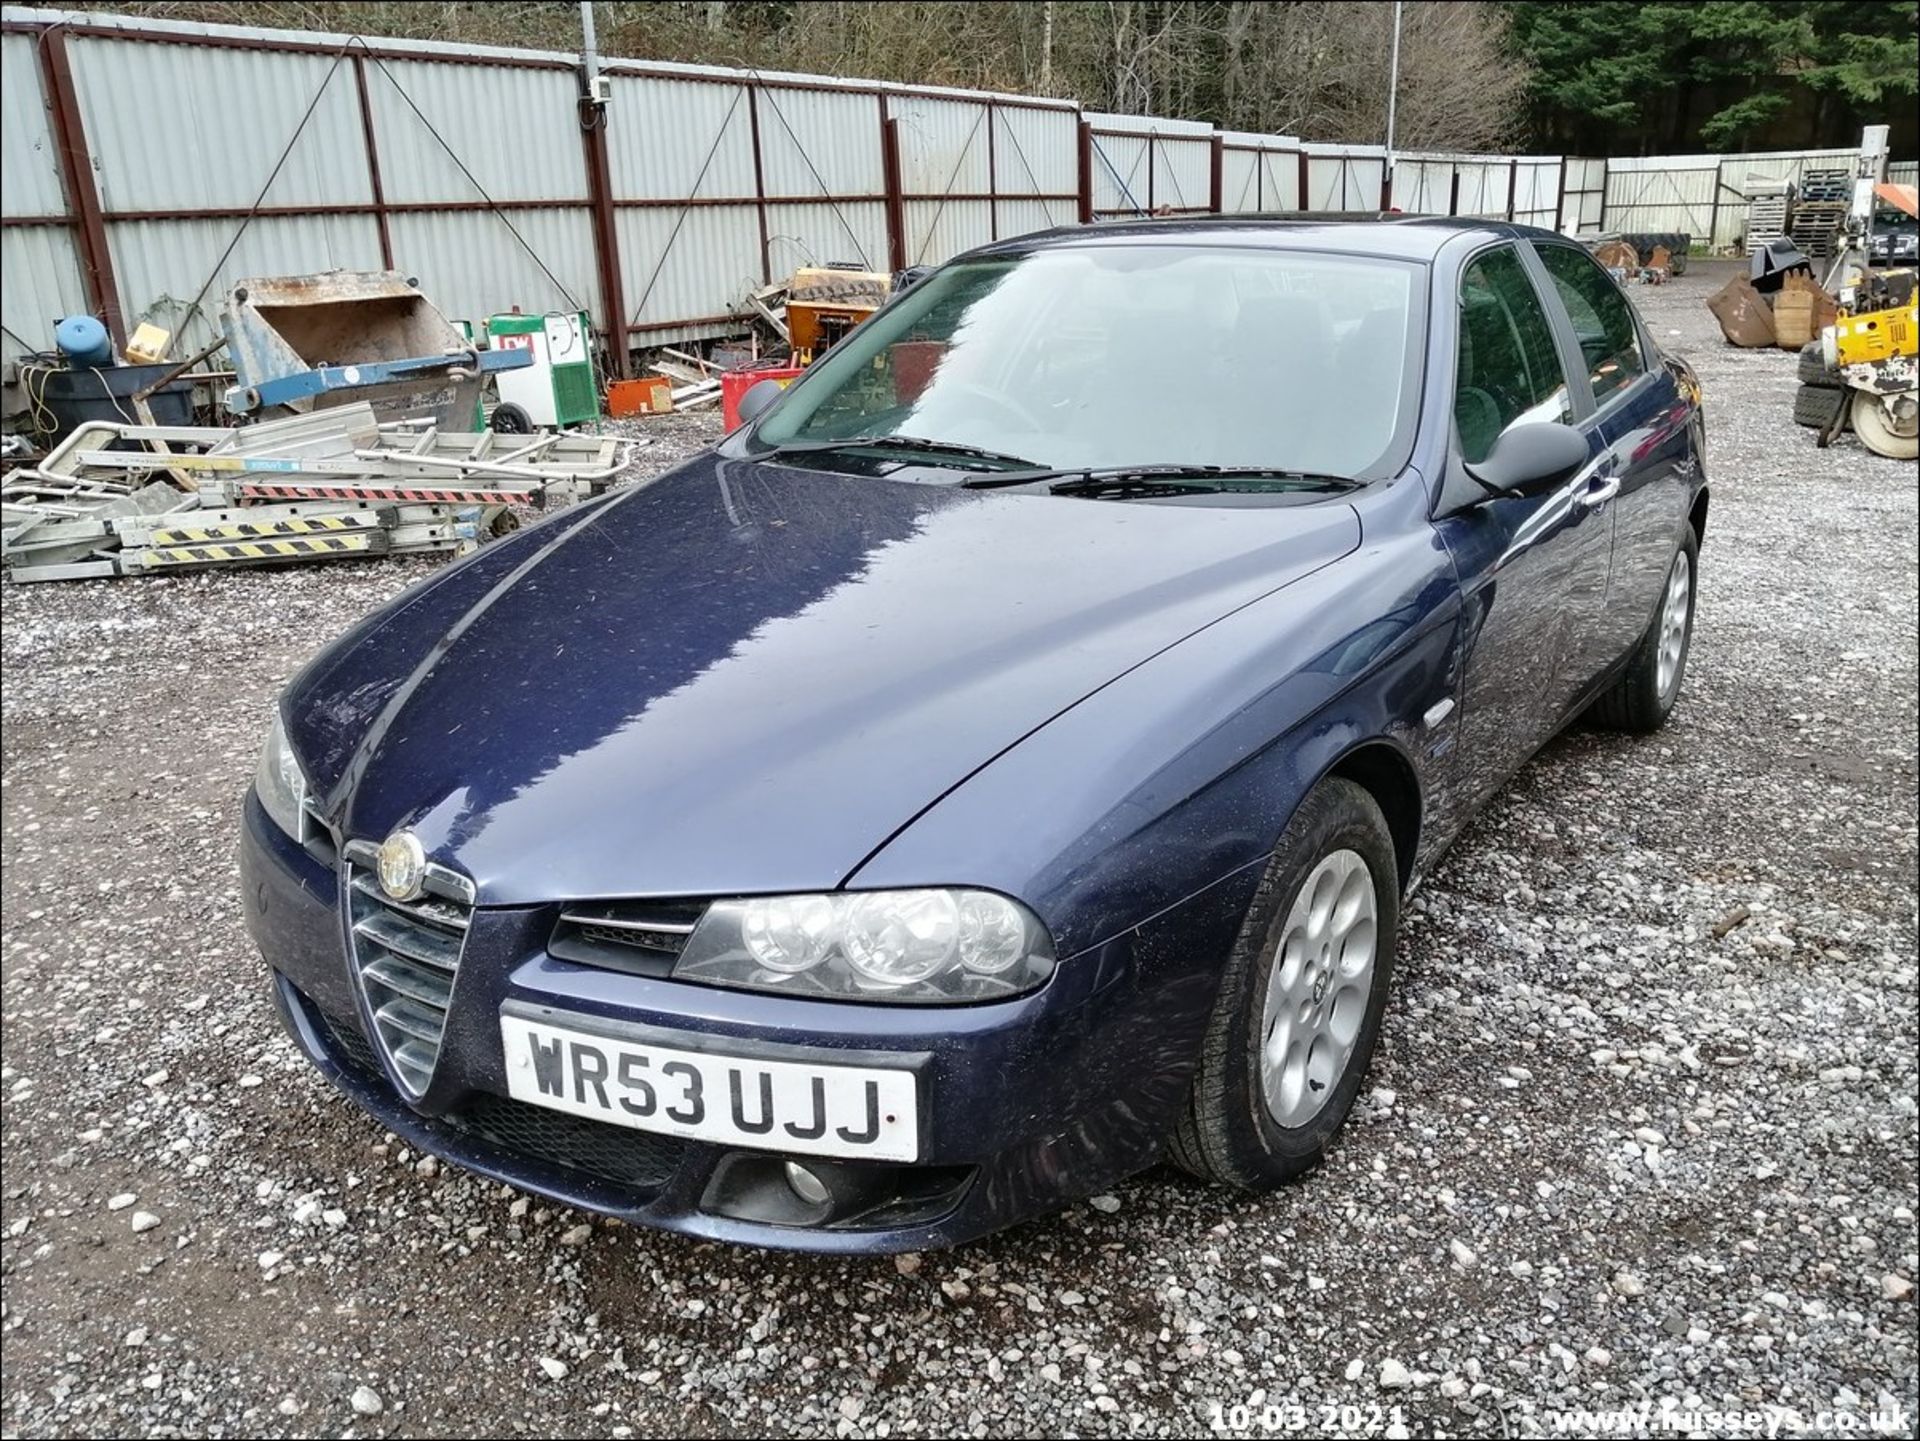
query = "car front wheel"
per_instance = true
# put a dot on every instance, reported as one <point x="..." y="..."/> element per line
<point x="1300" y="1003"/>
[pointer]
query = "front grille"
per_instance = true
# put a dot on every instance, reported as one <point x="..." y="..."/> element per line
<point x="406" y="954"/>
<point x="350" y="1046"/>
<point x="627" y="1158"/>
<point x="640" y="937"/>
<point x="573" y="1143"/>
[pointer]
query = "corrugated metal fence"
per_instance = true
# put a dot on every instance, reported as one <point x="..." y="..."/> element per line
<point x="148" y="165"/>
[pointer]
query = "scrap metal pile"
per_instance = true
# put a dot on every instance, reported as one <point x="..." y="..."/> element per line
<point x="115" y="500"/>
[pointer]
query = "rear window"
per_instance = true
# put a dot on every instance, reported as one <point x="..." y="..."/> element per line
<point x="1602" y="319"/>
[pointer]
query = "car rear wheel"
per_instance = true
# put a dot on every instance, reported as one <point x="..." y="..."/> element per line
<point x="1299" y="1009"/>
<point x="1643" y="697"/>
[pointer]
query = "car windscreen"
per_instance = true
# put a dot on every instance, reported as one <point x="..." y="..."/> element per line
<point x="1109" y="355"/>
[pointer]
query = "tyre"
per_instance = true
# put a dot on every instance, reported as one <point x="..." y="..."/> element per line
<point x="1679" y="260"/>
<point x="1818" y="406"/>
<point x="1814" y="369"/>
<point x="510" y="419"/>
<point x="1298" y="1014"/>
<point x="1644" y="696"/>
<point x="1896" y="436"/>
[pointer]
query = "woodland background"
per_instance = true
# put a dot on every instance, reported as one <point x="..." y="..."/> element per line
<point x="1591" y="77"/>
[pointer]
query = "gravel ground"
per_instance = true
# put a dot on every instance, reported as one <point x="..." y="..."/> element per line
<point x="1642" y="1132"/>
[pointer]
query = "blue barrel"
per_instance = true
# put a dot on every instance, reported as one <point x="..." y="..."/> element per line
<point x="84" y="341"/>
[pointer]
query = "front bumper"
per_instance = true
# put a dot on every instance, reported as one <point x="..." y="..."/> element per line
<point x="1027" y="1104"/>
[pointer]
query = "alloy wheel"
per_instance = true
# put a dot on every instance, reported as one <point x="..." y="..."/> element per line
<point x="1318" y="990"/>
<point x="1674" y="613"/>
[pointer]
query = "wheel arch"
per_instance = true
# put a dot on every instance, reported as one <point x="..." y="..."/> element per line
<point x="1382" y="770"/>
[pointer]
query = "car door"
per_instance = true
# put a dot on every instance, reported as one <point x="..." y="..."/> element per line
<point x="1644" y="422"/>
<point x="1532" y="568"/>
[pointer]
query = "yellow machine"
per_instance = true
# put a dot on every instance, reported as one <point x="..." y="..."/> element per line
<point x="1875" y="352"/>
<point x="824" y="304"/>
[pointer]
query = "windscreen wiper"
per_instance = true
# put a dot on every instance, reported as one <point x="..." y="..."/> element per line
<point x="899" y="442"/>
<point x="1166" y="479"/>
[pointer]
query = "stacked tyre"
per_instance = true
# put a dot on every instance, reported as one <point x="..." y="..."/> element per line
<point x="1822" y="395"/>
<point x="1676" y="242"/>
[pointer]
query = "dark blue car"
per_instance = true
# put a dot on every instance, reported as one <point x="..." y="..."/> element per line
<point x="1002" y="762"/>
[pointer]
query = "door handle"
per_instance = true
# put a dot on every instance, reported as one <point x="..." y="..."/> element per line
<point x="1599" y="491"/>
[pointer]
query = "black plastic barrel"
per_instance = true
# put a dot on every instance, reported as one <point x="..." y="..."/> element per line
<point x="73" y="396"/>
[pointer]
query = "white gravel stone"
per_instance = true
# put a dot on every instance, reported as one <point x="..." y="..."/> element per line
<point x="366" y="1401"/>
<point x="143" y="1221"/>
<point x="121" y="1201"/>
<point x="555" y="1369"/>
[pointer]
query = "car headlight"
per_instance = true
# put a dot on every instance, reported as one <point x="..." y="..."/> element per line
<point x="279" y="781"/>
<point x="918" y="946"/>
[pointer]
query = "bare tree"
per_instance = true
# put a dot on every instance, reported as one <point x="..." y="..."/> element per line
<point x="1313" y="68"/>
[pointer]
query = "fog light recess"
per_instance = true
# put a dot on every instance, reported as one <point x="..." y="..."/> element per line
<point x="807" y="1185"/>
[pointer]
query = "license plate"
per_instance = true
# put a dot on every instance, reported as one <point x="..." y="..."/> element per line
<point x="855" y="1112"/>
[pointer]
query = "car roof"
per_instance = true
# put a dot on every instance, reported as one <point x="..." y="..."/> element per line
<point x="1393" y="236"/>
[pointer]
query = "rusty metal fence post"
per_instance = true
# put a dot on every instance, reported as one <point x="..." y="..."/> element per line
<point x="375" y="187"/>
<point x="606" y="238"/>
<point x="83" y="197"/>
<point x="759" y="185"/>
<point x="890" y="182"/>
<point x="1086" y="173"/>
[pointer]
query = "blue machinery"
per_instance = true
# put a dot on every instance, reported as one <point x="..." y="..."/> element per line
<point x="309" y="342"/>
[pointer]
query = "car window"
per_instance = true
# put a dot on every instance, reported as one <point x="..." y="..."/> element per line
<point x="1117" y="354"/>
<point x="1602" y="319"/>
<point x="1510" y="369"/>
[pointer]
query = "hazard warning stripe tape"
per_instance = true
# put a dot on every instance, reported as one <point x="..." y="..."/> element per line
<point x="249" y="529"/>
<point x="258" y="549"/>
<point x="262" y="490"/>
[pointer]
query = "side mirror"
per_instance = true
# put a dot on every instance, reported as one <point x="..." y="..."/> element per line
<point x="759" y="396"/>
<point x="1531" y="457"/>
